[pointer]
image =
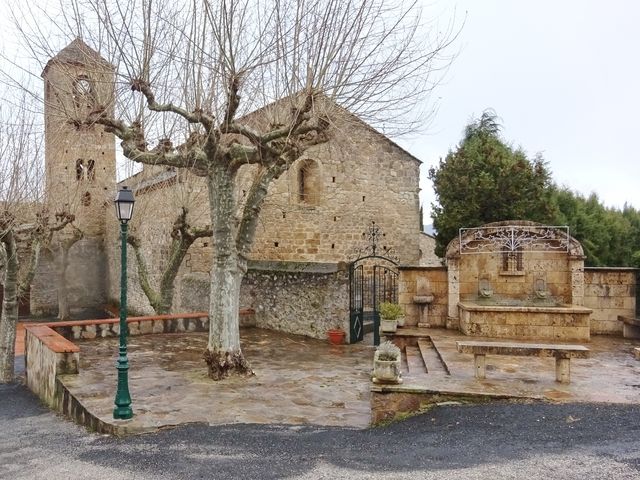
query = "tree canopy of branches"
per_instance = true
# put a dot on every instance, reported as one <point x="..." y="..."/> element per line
<point x="190" y="74"/>
<point x="486" y="180"/>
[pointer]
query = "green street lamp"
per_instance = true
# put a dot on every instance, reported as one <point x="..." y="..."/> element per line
<point x="124" y="210"/>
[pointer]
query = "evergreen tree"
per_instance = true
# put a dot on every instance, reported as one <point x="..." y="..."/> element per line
<point x="486" y="180"/>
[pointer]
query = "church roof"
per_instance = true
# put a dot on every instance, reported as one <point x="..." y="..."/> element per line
<point x="77" y="53"/>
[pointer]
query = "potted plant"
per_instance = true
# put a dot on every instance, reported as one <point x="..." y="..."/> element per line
<point x="386" y="364"/>
<point x="390" y="313"/>
<point x="336" y="336"/>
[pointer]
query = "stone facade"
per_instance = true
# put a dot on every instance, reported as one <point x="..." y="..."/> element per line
<point x="80" y="160"/>
<point x="610" y="292"/>
<point x="315" y="212"/>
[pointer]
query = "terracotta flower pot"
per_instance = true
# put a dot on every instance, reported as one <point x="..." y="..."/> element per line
<point x="336" y="336"/>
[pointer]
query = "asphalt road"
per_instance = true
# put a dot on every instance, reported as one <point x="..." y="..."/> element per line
<point x="496" y="441"/>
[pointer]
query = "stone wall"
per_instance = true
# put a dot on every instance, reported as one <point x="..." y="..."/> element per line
<point x="610" y="292"/>
<point x="435" y="280"/>
<point x="294" y="297"/>
<point x="554" y="268"/>
<point x="428" y="257"/>
<point x="48" y="355"/>
<point x="559" y="324"/>
<point x="86" y="279"/>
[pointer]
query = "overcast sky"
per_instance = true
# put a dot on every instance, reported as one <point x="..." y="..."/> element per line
<point x="564" y="77"/>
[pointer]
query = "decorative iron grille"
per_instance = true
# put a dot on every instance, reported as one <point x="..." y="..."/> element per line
<point x="514" y="238"/>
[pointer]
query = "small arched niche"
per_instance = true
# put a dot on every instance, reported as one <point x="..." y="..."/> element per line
<point x="308" y="182"/>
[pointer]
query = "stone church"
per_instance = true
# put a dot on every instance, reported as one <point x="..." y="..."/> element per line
<point x="314" y="220"/>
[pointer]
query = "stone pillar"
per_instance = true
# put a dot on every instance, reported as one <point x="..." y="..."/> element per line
<point x="563" y="370"/>
<point x="453" y="280"/>
<point x="576" y="270"/>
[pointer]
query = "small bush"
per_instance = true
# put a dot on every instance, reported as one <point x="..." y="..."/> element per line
<point x="390" y="311"/>
<point x="388" y="352"/>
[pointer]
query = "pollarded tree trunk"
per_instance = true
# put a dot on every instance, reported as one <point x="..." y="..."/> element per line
<point x="63" y="266"/>
<point x="63" y="293"/>
<point x="183" y="236"/>
<point x="224" y="355"/>
<point x="9" y="318"/>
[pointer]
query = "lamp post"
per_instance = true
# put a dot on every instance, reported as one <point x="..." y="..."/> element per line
<point x="124" y="210"/>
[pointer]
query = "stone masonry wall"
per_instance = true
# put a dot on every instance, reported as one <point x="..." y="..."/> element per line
<point x="46" y="356"/>
<point x="553" y="267"/>
<point x="610" y="292"/>
<point x="86" y="283"/>
<point x="428" y="257"/>
<point x="294" y="297"/>
<point x="436" y="278"/>
<point x="358" y="180"/>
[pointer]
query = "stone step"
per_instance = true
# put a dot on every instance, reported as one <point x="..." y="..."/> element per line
<point x="415" y="364"/>
<point x="430" y="358"/>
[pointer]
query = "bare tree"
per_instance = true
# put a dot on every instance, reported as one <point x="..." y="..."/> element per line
<point x="25" y="225"/>
<point x="216" y="87"/>
<point x="182" y="237"/>
<point x="60" y="248"/>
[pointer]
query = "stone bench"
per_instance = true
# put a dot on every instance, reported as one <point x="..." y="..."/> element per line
<point x="630" y="327"/>
<point x="562" y="353"/>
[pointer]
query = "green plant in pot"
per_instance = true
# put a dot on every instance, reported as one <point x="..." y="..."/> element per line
<point x="391" y="315"/>
<point x="386" y="364"/>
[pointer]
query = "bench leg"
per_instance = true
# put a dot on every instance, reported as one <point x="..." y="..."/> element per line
<point x="563" y="370"/>
<point x="479" y="363"/>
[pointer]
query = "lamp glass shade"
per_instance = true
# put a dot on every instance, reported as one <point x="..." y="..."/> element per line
<point x="124" y="204"/>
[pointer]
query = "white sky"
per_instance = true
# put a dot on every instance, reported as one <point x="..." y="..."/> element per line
<point x="564" y="77"/>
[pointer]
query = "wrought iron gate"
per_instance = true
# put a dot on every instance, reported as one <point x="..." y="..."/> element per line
<point x="373" y="280"/>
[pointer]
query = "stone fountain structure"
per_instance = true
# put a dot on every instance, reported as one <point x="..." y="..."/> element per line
<point x="517" y="280"/>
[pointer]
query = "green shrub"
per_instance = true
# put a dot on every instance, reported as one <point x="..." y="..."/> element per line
<point x="390" y="311"/>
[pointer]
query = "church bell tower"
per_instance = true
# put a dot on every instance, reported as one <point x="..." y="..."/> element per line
<point x="80" y="158"/>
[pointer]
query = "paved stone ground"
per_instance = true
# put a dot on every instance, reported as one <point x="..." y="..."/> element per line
<point x="611" y="374"/>
<point x="302" y="381"/>
<point x="298" y="381"/>
<point x="496" y="441"/>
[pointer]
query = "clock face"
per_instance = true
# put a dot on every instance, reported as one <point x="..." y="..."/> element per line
<point x="83" y="87"/>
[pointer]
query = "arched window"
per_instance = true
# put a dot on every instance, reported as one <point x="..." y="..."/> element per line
<point x="79" y="169"/>
<point x="309" y="182"/>
<point x="91" y="173"/>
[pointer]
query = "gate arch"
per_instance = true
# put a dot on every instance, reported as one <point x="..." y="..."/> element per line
<point x="372" y="279"/>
